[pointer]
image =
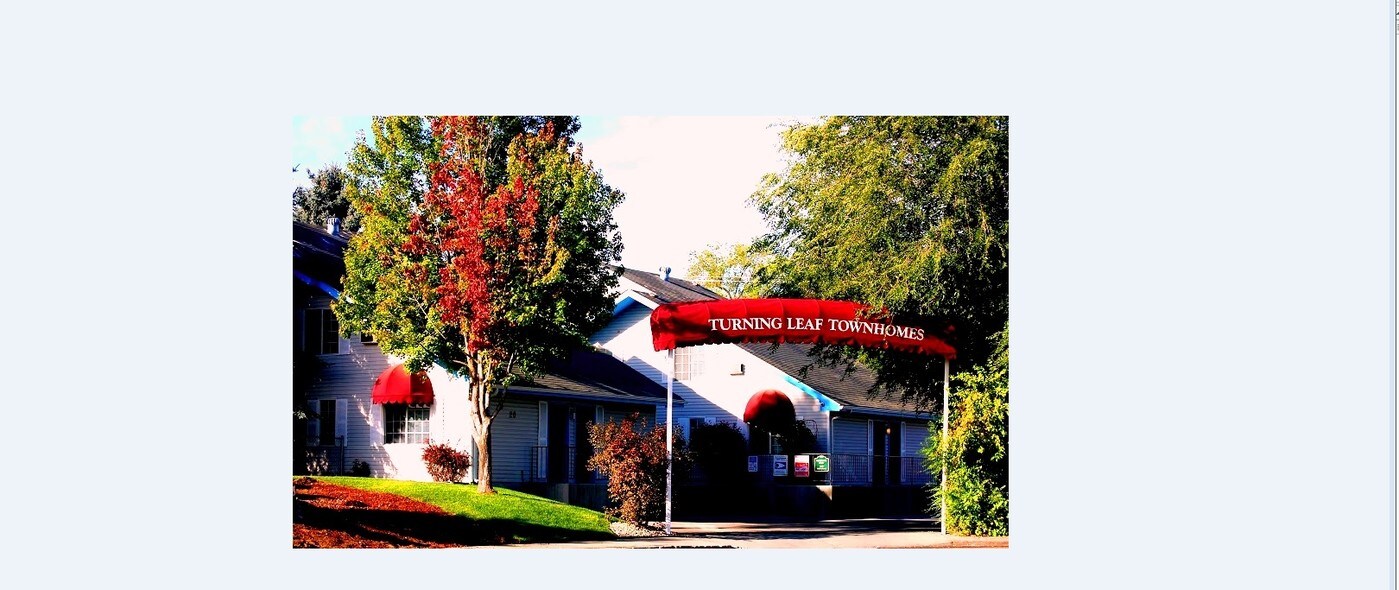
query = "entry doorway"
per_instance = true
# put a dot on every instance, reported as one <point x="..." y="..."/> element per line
<point x="568" y="443"/>
<point x="887" y="443"/>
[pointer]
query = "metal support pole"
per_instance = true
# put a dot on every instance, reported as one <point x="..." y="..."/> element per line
<point x="669" y="387"/>
<point x="946" y="392"/>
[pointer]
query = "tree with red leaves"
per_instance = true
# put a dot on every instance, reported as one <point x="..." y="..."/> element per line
<point x="487" y="247"/>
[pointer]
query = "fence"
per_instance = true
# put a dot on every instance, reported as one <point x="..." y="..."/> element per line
<point x="857" y="469"/>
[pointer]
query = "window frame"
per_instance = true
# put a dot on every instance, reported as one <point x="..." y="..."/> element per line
<point x="689" y="363"/>
<point x="409" y="429"/>
<point x="317" y="343"/>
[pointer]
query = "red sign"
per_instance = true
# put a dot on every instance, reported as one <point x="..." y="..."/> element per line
<point x="787" y="320"/>
<point x="801" y="466"/>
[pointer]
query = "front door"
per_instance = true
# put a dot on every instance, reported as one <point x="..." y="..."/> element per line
<point x="558" y="442"/>
<point x="886" y="453"/>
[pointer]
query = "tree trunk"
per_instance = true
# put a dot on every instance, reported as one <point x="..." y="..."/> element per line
<point x="483" y="446"/>
<point x="480" y="391"/>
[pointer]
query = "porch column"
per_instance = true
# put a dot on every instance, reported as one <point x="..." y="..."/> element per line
<point x="669" y="385"/>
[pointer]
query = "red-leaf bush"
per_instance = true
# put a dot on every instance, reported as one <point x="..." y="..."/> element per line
<point x="634" y="463"/>
<point x="445" y="463"/>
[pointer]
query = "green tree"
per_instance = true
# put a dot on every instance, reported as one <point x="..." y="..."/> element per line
<point x="976" y="449"/>
<point x="487" y="247"/>
<point x="908" y="214"/>
<point x="731" y="271"/>
<point x="325" y="198"/>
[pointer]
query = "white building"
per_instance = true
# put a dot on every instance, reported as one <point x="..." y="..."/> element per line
<point x="871" y="441"/>
<point x="538" y="438"/>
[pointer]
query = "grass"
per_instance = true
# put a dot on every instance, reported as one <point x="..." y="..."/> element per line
<point x="523" y="517"/>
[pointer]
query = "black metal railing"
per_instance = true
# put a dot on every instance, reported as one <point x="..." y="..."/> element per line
<point x="848" y="469"/>
<point x="541" y="470"/>
<point x="912" y="471"/>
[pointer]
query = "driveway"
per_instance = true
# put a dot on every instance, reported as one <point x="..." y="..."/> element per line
<point x="826" y="534"/>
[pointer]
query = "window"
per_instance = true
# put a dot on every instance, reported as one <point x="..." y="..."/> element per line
<point x="322" y="333"/>
<point x="405" y="423"/>
<point x="367" y="339"/>
<point x="689" y="363"/>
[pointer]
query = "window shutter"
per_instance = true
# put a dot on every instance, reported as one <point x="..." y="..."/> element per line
<point x="340" y="414"/>
<point x="542" y="455"/>
<point x="313" y="424"/>
<point x="598" y="416"/>
<point x="869" y="450"/>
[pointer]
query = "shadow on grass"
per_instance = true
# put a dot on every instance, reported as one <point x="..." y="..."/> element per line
<point x="420" y="529"/>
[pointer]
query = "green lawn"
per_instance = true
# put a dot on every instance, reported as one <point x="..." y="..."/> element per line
<point x="514" y="515"/>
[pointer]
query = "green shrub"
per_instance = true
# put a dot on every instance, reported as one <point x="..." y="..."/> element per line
<point x="360" y="469"/>
<point x="976" y="449"/>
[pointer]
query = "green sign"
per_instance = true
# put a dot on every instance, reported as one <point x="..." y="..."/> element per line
<point x="821" y="463"/>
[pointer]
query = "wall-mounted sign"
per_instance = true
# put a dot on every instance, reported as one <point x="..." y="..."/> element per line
<point x="779" y="465"/>
<point x="801" y="466"/>
<point x="821" y="463"/>
<point x="752" y="464"/>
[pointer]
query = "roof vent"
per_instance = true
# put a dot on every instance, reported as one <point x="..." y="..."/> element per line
<point x="665" y="273"/>
<point x="332" y="226"/>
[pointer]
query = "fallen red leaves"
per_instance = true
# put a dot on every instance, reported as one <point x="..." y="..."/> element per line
<point x="328" y="515"/>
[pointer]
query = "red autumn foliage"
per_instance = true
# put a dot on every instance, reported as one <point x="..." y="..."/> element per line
<point x="445" y="463"/>
<point x="484" y="237"/>
<point x="634" y="463"/>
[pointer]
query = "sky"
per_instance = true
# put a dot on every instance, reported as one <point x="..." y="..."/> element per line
<point x="686" y="179"/>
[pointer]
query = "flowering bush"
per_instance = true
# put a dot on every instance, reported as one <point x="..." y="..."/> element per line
<point x="635" y="465"/>
<point x="445" y="463"/>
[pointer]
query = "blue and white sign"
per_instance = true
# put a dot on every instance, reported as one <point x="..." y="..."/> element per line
<point x="752" y="464"/>
<point x="779" y="465"/>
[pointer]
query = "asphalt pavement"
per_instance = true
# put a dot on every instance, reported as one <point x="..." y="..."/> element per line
<point x="827" y="534"/>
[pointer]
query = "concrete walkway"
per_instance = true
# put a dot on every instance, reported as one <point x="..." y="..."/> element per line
<point x="826" y="534"/>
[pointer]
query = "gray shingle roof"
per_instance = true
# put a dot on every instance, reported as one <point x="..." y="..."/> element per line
<point x="669" y="290"/>
<point x="599" y="374"/>
<point x="850" y="388"/>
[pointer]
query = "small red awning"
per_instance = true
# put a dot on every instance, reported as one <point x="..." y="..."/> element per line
<point x="770" y="410"/>
<point x="394" y="386"/>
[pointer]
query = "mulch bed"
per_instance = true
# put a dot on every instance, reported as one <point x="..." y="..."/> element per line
<point x="328" y="515"/>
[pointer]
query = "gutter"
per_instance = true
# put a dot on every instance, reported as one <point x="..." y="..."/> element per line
<point x="827" y="404"/>
<point x="916" y="415"/>
<point x="309" y="280"/>
<point x="539" y="391"/>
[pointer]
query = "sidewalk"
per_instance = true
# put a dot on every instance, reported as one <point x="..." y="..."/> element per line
<point x="826" y="534"/>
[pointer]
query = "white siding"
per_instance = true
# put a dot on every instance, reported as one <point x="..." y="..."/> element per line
<point x="915" y="434"/>
<point x="719" y="392"/>
<point x="850" y="436"/>
<point x="349" y="378"/>
<point x="513" y="438"/>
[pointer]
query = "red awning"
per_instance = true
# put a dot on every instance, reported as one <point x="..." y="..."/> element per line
<point x="394" y="386"/>
<point x="789" y="320"/>
<point x="770" y="410"/>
